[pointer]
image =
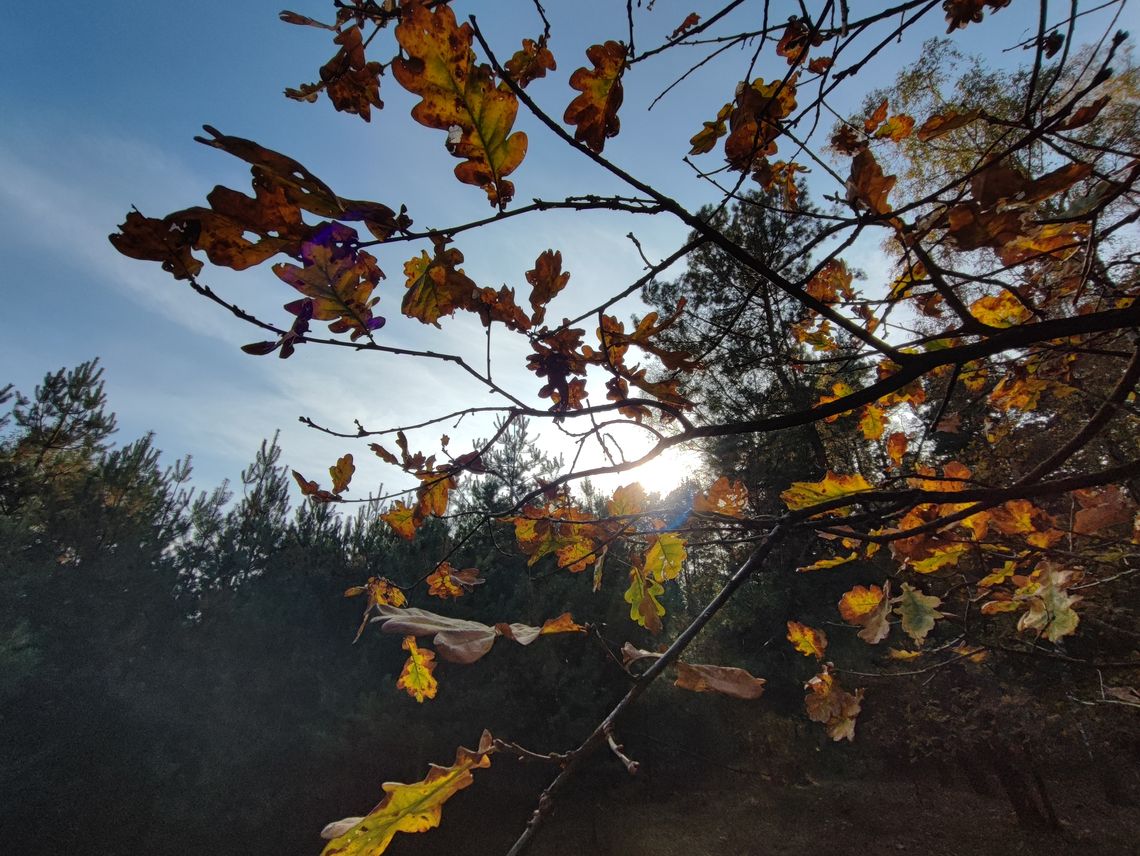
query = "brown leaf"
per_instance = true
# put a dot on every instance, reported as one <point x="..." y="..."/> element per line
<point x="691" y="20"/>
<point x="726" y="680"/>
<point x="594" y="112"/>
<point x="530" y="63"/>
<point x="867" y="183"/>
<point x="546" y="279"/>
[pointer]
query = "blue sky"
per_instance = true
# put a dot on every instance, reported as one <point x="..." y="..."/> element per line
<point x="100" y="106"/>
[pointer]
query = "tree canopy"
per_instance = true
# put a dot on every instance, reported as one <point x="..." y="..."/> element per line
<point x="938" y="455"/>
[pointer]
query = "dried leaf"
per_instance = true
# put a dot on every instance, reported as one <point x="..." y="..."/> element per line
<point x="530" y="63"/>
<point x="726" y="680"/>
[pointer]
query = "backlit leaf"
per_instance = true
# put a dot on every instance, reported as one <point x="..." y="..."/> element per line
<point x="401" y="518"/>
<point x="546" y="279"/>
<point x="644" y="607"/>
<point x="530" y="62"/>
<point x="417" y="679"/>
<point x="341" y="473"/>
<point x="406" y="808"/>
<point x="729" y="498"/>
<point x="594" y="111"/>
<point x="458" y="93"/>
<point x="806" y="494"/>
<point x="807" y="640"/>
<point x="665" y="556"/>
<point x="857" y="604"/>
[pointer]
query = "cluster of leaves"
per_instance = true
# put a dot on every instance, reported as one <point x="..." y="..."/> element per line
<point x="1011" y="309"/>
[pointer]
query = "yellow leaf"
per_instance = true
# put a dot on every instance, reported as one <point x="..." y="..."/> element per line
<point x="806" y="494"/>
<point x="896" y="128"/>
<point x="417" y="679"/>
<point x="460" y="96"/>
<point x="942" y="557"/>
<point x="1002" y="310"/>
<point x="642" y="594"/>
<point x="807" y="640"/>
<point x="857" y="604"/>
<point x="402" y="519"/>
<point x="901" y="654"/>
<point x="872" y="422"/>
<point x="664" y="558"/>
<point x="834" y="562"/>
<point x="406" y="808"/>
<point x="562" y="624"/>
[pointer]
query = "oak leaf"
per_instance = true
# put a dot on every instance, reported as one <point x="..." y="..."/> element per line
<point x="530" y="62"/>
<point x="402" y="518"/>
<point x="828" y="703"/>
<point x="896" y="447"/>
<point x="691" y="20"/>
<point x="867" y="184"/>
<point x="642" y="594"/>
<point x="917" y="611"/>
<point x="460" y="96"/>
<point x="806" y="494"/>
<point x="437" y="286"/>
<point x="341" y="473"/>
<point x="807" y="640"/>
<point x="594" y="111"/>
<point x="857" y="604"/>
<point x="729" y="498"/>
<point x="445" y="581"/>
<point x="944" y="123"/>
<point x="406" y="808"/>
<point x="546" y="279"/>
<point x="1050" y="610"/>
<point x="726" y="680"/>
<point x="665" y="556"/>
<point x="417" y="679"/>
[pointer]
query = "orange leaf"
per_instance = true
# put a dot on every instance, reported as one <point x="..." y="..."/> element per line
<point x="595" y="110"/>
<point x="562" y="624"/>
<point x="896" y="447"/>
<point x="341" y="473"/>
<point x="807" y="640"/>
<point x="724" y="497"/>
<point x="827" y="702"/>
<point x="876" y="118"/>
<point x="857" y="604"/>
<point x="402" y="519"/>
